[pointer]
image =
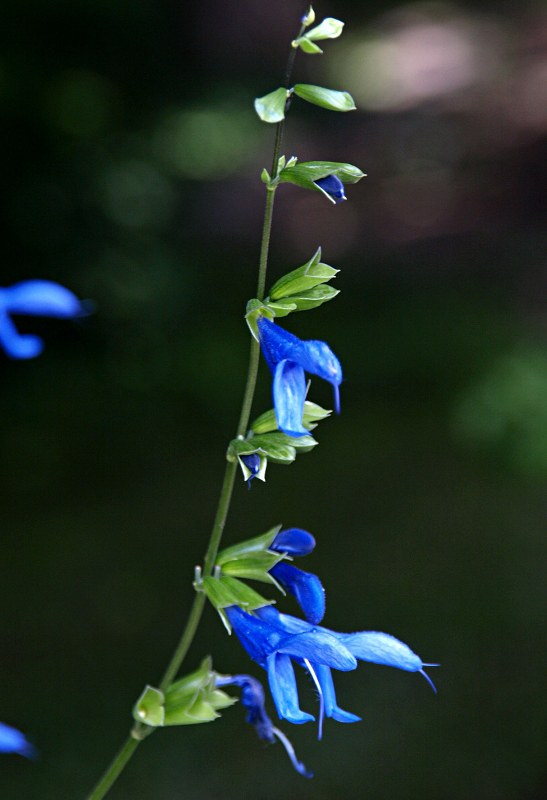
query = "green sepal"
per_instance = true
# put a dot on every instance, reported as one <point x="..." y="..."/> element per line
<point x="224" y="591"/>
<point x="313" y="414"/>
<point x="189" y="701"/>
<point x="258" y="544"/>
<point x="253" y="567"/>
<point x="313" y="298"/>
<point x="281" y="308"/>
<point x="306" y="277"/>
<point x="255" y="309"/>
<point x="307" y="46"/>
<point x="271" y="107"/>
<point x="330" y="99"/>
<point x="149" y="707"/>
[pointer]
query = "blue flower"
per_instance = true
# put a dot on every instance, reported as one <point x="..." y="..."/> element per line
<point x="274" y="640"/>
<point x="289" y="358"/>
<point x="332" y="187"/>
<point x="252" y="697"/>
<point x="304" y="586"/>
<point x="13" y="741"/>
<point x="33" y="298"/>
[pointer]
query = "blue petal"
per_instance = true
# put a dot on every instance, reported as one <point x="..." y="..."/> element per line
<point x="317" y="357"/>
<point x="333" y="186"/>
<point x="13" y="741"/>
<point x="258" y="637"/>
<point x="293" y="542"/>
<point x="319" y="646"/>
<point x="283" y="689"/>
<point x="41" y="298"/>
<point x="382" y="648"/>
<point x="252" y="698"/>
<point x="277" y="343"/>
<point x="289" y="393"/>
<point x="15" y="344"/>
<point x="324" y="677"/>
<point x="305" y="586"/>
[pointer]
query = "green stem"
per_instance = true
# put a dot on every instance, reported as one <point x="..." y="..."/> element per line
<point x="140" y="731"/>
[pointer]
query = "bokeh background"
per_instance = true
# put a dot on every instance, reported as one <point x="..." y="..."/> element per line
<point x="130" y="158"/>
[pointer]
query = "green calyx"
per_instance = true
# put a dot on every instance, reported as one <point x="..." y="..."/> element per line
<point x="189" y="701"/>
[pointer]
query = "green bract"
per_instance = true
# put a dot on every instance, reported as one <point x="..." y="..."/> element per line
<point x="271" y="107"/>
<point x="305" y="173"/>
<point x="189" y="701"/>
<point x="258" y="544"/>
<point x="326" y="98"/>
<point x="224" y="590"/>
<point x="330" y="28"/>
<point x="306" y="277"/>
<point x="313" y="414"/>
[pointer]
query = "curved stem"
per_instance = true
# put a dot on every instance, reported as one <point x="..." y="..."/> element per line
<point x="139" y="730"/>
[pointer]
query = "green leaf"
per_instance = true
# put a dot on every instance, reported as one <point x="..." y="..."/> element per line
<point x="271" y="107"/>
<point x="303" y="278"/>
<point x="149" y="707"/>
<point x="326" y="98"/>
<point x="258" y="544"/>
<point x="330" y="28"/>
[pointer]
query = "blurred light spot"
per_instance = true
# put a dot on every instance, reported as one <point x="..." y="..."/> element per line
<point x="135" y="195"/>
<point x="79" y="103"/>
<point x="420" y="55"/>
<point x="204" y="143"/>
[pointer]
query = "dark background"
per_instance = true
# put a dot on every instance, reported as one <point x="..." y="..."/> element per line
<point x="130" y="163"/>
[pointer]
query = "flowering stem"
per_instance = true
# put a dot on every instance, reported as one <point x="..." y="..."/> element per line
<point x="139" y="730"/>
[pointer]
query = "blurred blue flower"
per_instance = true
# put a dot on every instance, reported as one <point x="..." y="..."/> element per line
<point x="333" y="187"/>
<point x="33" y="298"/>
<point x="252" y="697"/>
<point x="13" y="741"/>
<point x="304" y="586"/>
<point x="289" y="358"/>
<point x="273" y="640"/>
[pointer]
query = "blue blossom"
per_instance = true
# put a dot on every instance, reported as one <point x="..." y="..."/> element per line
<point x="304" y="586"/>
<point x="333" y="188"/>
<point x="289" y="358"/>
<point x="275" y="640"/>
<point x="33" y="298"/>
<point x="13" y="741"/>
<point x="252" y="697"/>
